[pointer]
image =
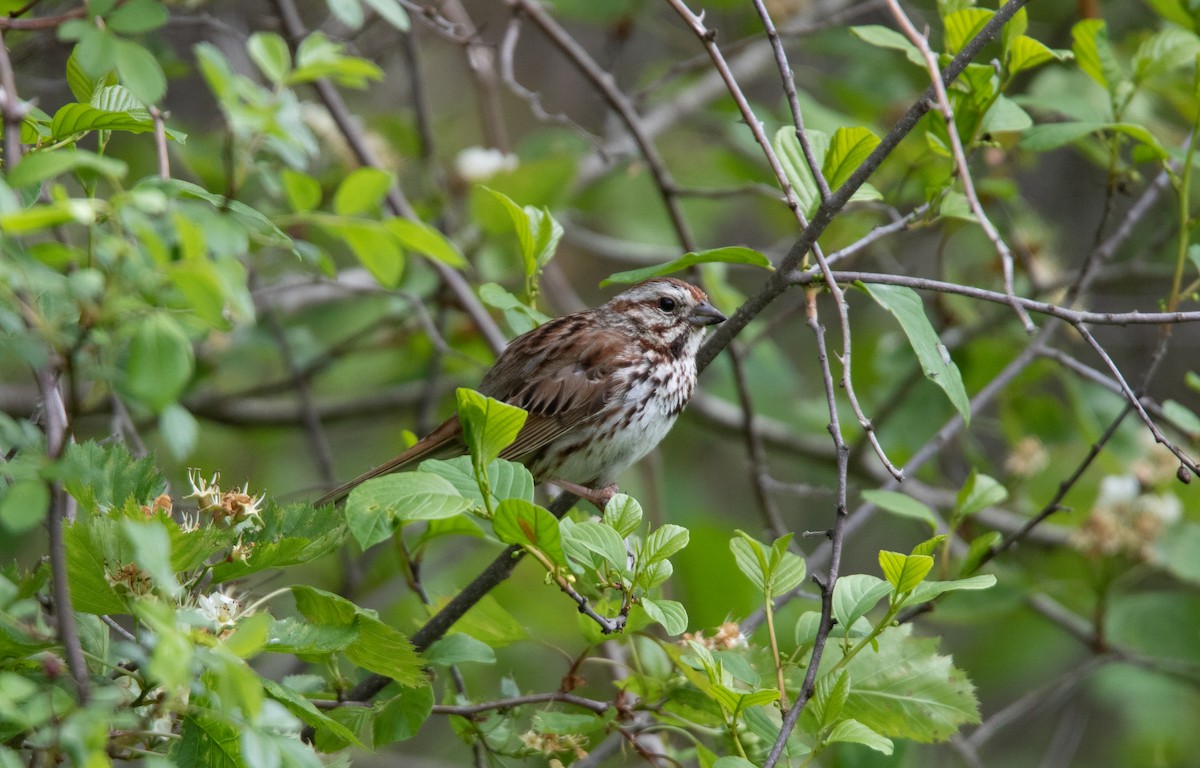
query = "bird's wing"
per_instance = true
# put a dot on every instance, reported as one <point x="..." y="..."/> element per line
<point x="443" y="442"/>
<point x="561" y="373"/>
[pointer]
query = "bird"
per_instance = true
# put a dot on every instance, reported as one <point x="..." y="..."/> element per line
<point x="602" y="388"/>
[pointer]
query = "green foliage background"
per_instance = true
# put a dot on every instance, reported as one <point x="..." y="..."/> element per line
<point x="240" y="261"/>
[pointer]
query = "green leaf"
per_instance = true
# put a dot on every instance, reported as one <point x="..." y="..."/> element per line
<point x="886" y="37"/>
<point x="663" y="543"/>
<point x="669" y="613"/>
<point x="140" y="71"/>
<point x="24" y="506"/>
<point x="928" y="590"/>
<point x="587" y="541"/>
<point x="402" y="716"/>
<point x="152" y="552"/>
<point x="459" y="648"/>
<point x="751" y="560"/>
<point x="160" y="361"/>
<point x="980" y="546"/>
<point x="1089" y="41"/>
<point x="520" y="316"/>
<point x="901" y="505"/>
<point x="848" y="148"/>
<point x="1026" y="53"/>
<point x="375" y="507"/>
<point x="304" y="709"/>
<point x="787" y="568"/>
<point x="855" y="594"/>
<point x="905" y="305"/>
<point x="537" y="231"/>
<point x="829" y="697"/>
<point x="80" y="118"/>
<point x="963" y="25"/>
<point x="179" y="429"/>
<point x="1175" y="11"/>
<point x="1041" y="138"/>
<point x="623" y="513"/>
<point x="795" y="165"/>
<point x="289" y="535"/>
<point x="853" y="732"/>
<point x="506" y="479"/>
<point x="489" y="426"/>
<point x="1178" y="550"/>
<point x="1183" y="417"/>
<point x="137" y="17"/>
<point x="348" y="12"/>
<point x="270" y="52"/>
<point x="303" y="192"/>
<point x="390" y="11"/>
<point x="930" y="545"/>
<point x="373" y="245"/>
<point x="519" y="522"/>
<point x="978" y="492"/>
<point x="361" y="192"/>
<point x="904" y="689"/>
<point x="734" y="254"/>
<point x="37" y="167"/>
<point x="294" y="636"/>
<point x="205" y="740"/>
<point x="386" y="651"/>
<point x="318" y="56"/>
<point x="904" y="572"/>
<point x="424" y="239"/>
<point x="733" y="761"/>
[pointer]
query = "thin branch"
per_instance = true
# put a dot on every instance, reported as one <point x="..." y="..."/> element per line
<point x="603" y="82"/>
<point x="61" y="508"/>
<point x="836" y="538"/>
<point x="44" y="22"/>
<point x="1135" y="401"/>
<point x="160" y="143"/>
<point x="508" y="47"/>
<point x="759" y="471"/>
<point x="789" y="89"/>
<point x="960" y="159"/>
<point x="481" y="62"/>
<point x="1074" y="317"/>
<point x="11" y="108"/>
<point x="466" y="710"/>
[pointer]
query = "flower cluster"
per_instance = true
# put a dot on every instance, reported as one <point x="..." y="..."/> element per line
<point x="232" y="507"/>
<point x="727" y="637"/>
<point x="1126" y="519"/>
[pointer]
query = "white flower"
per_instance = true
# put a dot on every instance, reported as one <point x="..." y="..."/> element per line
<point x="219" y="608"/>
<point x="1117" y="489"/>
<point x="207" y="493"/>
<point x="482" y="163"/>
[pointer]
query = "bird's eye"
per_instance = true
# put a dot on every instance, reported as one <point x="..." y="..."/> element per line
<point x="666" y="304"/>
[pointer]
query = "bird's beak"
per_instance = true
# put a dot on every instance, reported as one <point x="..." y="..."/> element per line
<point x="705" y="314"/>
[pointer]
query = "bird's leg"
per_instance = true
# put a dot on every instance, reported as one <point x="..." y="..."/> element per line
<point x="598" y="496"/>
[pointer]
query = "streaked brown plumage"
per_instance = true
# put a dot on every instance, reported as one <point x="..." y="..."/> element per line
<point x="602" y="387"/>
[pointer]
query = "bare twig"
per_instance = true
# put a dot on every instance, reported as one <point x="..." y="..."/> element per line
<point x="836" y="538"/>
<point x="466" y="710"/>
<point x="44" y="22"/>
<point x="754" y="446"/>
<point x="960" y="159"/>
<point x="1136" y="402"/>
<point x="789" y="89"/>
<point x="508" y="47"/>
<point x="61" y="509"/>
<point x="1074" y="317"/>
<point x="620" y="103"/>
<point x="160" y="143"/>
<point x="11" y="109"/>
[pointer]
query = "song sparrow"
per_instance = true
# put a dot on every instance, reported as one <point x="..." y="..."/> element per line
<point x="602" y="388"/>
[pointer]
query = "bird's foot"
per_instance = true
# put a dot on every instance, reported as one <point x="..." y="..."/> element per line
<point x="598" y="496"/>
